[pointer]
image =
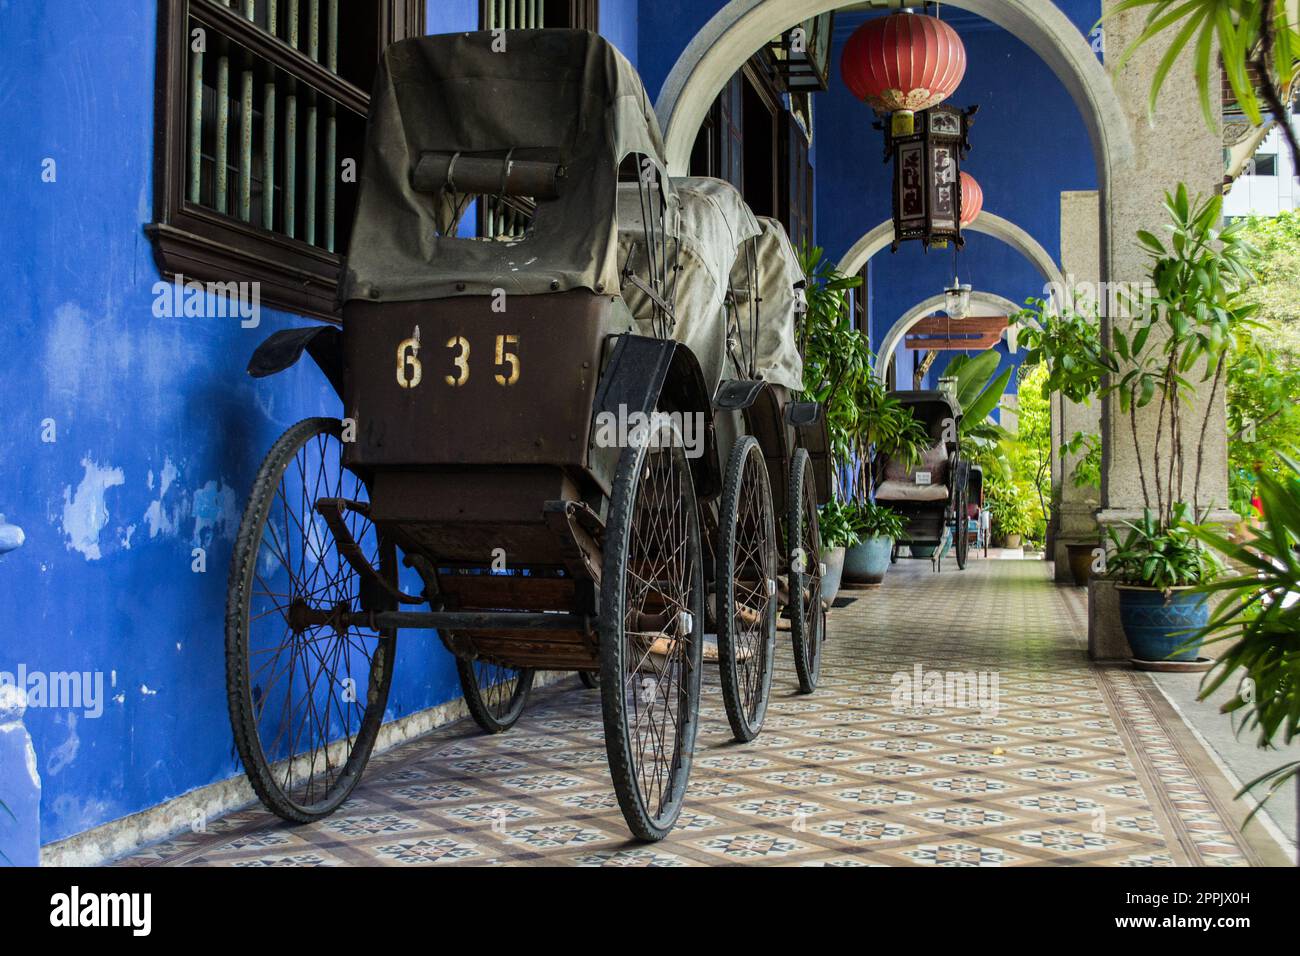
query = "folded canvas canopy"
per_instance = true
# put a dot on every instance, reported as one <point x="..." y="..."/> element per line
<point x="713" y="225"/>
<point x="781" y="283"/>
<point x="452" y="118"/>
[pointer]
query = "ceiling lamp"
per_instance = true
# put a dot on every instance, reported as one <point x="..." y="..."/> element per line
<point x="957" y="299"/>
<point x="972" y="199"/>
<point x="902" y="64"/>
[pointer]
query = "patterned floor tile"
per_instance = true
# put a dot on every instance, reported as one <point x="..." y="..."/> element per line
<point x="1075" y="763"/>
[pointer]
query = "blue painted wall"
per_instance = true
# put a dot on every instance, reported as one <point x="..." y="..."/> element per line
<point x="159" y="431"/>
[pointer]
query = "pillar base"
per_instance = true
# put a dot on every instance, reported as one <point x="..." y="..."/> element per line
<point x="1106" y="640"/>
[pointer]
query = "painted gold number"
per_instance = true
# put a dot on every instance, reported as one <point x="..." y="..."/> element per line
<point x="507" y="358"/>
<point x="461" y="361"/>
<point x="409" y="370"/>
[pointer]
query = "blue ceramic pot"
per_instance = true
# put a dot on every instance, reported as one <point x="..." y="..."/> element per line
<point x="1156" y="626"/>
<point x="866" y="563"/>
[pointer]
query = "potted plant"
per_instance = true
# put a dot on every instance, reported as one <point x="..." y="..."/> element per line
<point x="1259" y="615"/>
<point x="837" y="534"/>
<point x="1009" y="515"/>
<point x="877" y="528"/>
<point x="1192" y="317"/>
<point x="1159" y="571"/>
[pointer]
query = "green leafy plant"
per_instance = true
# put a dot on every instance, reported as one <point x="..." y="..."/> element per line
<point x="835" y="521"/>
<point x="835" y="354"/>
<point x="1068" y="344"/>
<point x="1152" y="555"/>
<point x="1256" y="42"/>
<point x="871" y="520"/>
<point x="1259" y="618"/>
<point x="1009" y="511"/>
<point x="1087" y="470"/>
<point x="1188" y="319"/>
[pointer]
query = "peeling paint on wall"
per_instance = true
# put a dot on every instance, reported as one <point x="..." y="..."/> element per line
<point x="216" y="513"/>
<point x="66" y="752"/>
<point x="158" y="520"/>
<point x="85" y="513"/>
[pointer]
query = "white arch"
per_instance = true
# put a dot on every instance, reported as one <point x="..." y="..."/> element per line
<point x="986" y="222"/>
<point x="743" y="26"/>
<point x="923" y="310"/>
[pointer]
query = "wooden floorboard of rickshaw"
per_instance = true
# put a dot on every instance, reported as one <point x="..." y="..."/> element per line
<point x="847" y="776"/>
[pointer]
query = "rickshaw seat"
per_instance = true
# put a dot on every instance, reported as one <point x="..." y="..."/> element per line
<point x="900" y="480"/>
<point x="894" y="490"/>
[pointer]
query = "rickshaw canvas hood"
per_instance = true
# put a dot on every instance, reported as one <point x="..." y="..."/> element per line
<point x="781" y="282"/>
<point x="714" y="227"/>
<point x="560" y="96"/>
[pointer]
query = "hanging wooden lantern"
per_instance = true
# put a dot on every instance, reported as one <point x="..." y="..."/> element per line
<point x="972" y="199"/>
<point x="927" y="176"/>
<point x="903" y="64"/>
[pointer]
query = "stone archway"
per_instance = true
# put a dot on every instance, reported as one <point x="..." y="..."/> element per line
<point x="921" y="310"/>
<point x="987" y="223"/>
<point x="743" y="26"/>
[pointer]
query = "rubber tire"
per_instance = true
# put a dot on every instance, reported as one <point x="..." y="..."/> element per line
<point x="478" y="709"/>
<point x="618" y="746"/>
<point x="743" y="728"/>
<point x="962" y="544"/>
<point x="808" y="636"/>
<point x="243" y="720"/>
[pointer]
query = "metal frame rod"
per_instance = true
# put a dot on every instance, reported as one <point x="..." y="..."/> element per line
<point x="476" y="620"/>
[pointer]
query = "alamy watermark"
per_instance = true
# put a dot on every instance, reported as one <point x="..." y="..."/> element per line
<point x="951" y="690"/>
<point x="191" y="299"/>
<point x="1109" y="300"/>
<point x="65" y="690"/>
<point x="634" y="429"/>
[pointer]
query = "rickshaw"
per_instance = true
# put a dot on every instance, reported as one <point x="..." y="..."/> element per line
<point x="509" y="424"/>
<point x="977" y="516"/>
<point x="931" y="494"/>
<point x="744" y="268"/>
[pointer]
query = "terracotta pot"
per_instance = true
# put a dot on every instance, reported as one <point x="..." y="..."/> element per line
<point x="1080" y="558"/>
<point x="1012" y="541"/>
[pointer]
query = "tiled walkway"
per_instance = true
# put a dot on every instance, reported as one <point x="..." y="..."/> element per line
<point x="1076" y="765"/>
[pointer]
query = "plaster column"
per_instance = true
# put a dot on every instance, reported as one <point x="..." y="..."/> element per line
<point x="1076" y="508"/>
<point x="20" y="784"/>
<point x="1176" y="146"/>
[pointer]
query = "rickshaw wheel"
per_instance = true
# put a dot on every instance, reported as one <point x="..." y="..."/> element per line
<point x="651" y="635"/>
<point x="306" y="688"/>
<point x="495" y="694"/>
<point x="746" y="589"/>
<point x="590" y="679"/>
<point x="807" y="615"/>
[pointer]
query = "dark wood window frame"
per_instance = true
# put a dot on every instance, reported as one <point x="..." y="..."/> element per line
<point x="204" y="244"/>
<point x="582" y="14"/>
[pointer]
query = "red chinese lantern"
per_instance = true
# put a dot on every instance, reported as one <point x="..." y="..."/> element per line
<point x="972" y="199"/>
<point x="902" y="64"/>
